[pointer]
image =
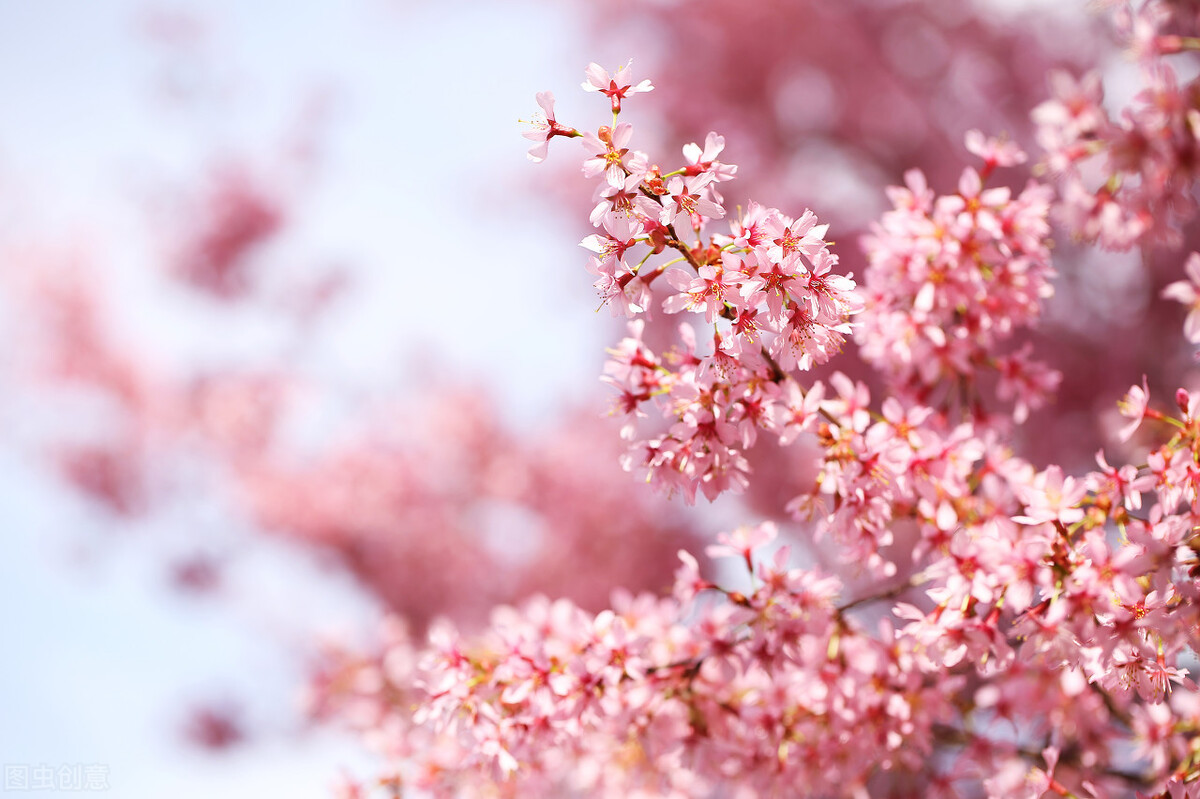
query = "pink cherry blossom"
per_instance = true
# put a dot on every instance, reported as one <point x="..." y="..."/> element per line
<point x="545" y="127"/>
<point x="609" y="153"/>
<point x="1186" y="292"/>
<point x="994" y="152"/>
<point x="1133" y="406"/>
<point x="686" y="198"/>
<point x="617" y="86"/>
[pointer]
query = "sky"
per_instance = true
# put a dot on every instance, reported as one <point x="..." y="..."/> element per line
<point x="420" y="187"/>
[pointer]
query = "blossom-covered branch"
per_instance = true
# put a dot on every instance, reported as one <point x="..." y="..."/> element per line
<point x="1028" y="628"/>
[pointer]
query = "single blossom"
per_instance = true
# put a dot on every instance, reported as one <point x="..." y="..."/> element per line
<point x="994" y="152"/>
<point x="617" y="86"/>
<point x="1188" y="293"/>
<point x="1133" y="406"/>
<point x="545" y="127"/>
<point x="686" y="198"/>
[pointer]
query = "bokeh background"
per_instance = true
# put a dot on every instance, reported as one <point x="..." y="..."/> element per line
<point x="389" y="131"/>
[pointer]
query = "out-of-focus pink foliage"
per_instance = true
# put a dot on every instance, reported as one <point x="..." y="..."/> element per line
<point x="436" y="494"/>
<point x="235" y="216"/>
<point x="214" y="727"/>
<point x="443" y="510"/>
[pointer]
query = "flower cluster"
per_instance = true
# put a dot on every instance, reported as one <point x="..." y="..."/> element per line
<point x="672" y="697"/>
<point x="1028" y="658"/>
<point x="1129" y="179"/>
<point x="1019" y="630"/>
<point x="767" y="289"/>
<point x="951" y="277"/>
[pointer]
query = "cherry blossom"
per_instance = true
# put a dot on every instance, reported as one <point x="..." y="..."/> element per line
<point x="545" y="127"/>
<point x="616" y="86"/>
<point x="1185" y="291"/>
